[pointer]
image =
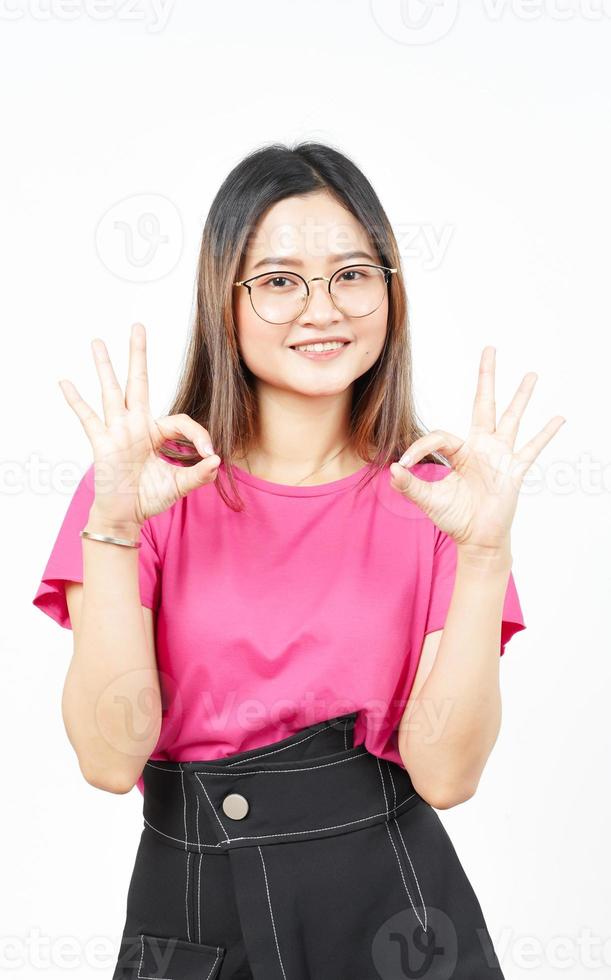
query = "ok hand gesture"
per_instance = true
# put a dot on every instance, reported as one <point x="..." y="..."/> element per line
<point x="132" y="481"/>
<point x="476" y="501"/>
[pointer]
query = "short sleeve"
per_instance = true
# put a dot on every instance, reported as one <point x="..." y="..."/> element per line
<point x="442" y="584"/>
<point x="65" y="562"/>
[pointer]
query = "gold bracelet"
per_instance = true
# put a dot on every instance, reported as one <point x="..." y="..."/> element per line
<point x="107" y="537"/>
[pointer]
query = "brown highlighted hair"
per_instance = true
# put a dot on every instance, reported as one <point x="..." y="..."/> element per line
<point x="215" y="386"/>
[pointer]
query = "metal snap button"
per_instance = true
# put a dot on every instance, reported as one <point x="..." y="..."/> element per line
<point x="235" y="806"/>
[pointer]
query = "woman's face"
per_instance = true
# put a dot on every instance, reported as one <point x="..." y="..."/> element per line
<point x="314" y="236"/>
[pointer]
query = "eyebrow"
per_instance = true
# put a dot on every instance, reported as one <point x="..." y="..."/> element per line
<point x="282" y="261"/>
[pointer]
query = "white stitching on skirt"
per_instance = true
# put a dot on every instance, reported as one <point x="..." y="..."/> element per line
<point x="423" y="924"/>
<point x="214" y="964"/>
<point x="323" y="765"/>
<point x="271" y="912"/>
<point x="142" y="977"/>
<point x="383" y="786"/>
<point x="184" y="796"/>
<point x="212" y="807"/>
<point x="264" y="755"/>
<point x="394" y="789"/>
<point x="140" y="974"/>
<point x="197" y="816"/>
<point x="291" y="833"/>
<point x="170" y="837"/>
<point x="199" y="880"/>
<point x="413" y="869"/>
<point x="188" y="853"/>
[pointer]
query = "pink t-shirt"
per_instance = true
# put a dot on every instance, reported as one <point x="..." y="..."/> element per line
<point x="312" y="602"/>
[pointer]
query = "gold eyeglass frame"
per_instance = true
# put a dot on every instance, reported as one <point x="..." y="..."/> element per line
<point x="277" y="272"/>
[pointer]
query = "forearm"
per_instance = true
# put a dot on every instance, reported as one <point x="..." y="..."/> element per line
<point x="447" y="733"/>
<point x="111" y="703"/>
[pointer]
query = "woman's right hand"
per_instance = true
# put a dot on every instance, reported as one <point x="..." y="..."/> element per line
<point x="132" y="483"/>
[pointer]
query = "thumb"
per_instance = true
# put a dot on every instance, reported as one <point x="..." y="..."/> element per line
<point x="410" y="486"/>
<point x="190" y="477"/>
<point x="422" y="492"/>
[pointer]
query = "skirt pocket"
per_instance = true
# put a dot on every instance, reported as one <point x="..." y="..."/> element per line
<point x="168" y="958"/>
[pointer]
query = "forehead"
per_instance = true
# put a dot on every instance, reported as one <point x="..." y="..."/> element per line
<point x="308" y="227"/>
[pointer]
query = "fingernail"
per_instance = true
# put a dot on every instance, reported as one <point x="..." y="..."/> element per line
<point x="405" y="460"/>
<point x="208" y="449"/>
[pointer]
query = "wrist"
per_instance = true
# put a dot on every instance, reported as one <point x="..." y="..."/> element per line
<point x="497" y="558"/>
<point x="99" y="523"/>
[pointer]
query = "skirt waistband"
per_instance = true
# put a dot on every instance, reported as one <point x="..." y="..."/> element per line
<point x="314" y="783"/>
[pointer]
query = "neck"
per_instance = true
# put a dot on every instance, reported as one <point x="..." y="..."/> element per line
<point x="298" y="435"/>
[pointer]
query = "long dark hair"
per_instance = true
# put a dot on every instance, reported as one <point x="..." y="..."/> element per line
<point x="215" y="386"/>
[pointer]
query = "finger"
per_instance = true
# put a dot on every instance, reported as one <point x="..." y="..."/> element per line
<point x="420" y="492"/>
<point x="112" y="393"/>
<point x="190" y="477"/>
<point x="439" y="439"/>
<point x="530" y="450"/>
<point x="483" y="417"/>
<point x="91" y="422"/>
<point x="137" y="387"/>
<point x="510" y="419"/>
<point x="172" y="426"/>
<point x="412" y="486"/>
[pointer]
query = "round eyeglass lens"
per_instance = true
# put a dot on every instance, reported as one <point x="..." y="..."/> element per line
<point x="278" y="298"/>
<point x="358" y="290"/>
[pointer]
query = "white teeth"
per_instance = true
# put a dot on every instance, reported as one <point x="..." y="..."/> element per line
<point x="330" y="345"/>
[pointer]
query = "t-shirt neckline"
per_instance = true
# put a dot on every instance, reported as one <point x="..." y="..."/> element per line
<point x="290" y="490"/>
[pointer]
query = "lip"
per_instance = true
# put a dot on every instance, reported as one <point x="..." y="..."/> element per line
<point x="325" y="355"/>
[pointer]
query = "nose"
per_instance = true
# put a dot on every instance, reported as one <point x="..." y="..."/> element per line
<point x="320" y="307"/>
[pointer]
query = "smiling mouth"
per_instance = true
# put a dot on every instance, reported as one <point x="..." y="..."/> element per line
<point x="320" y="348"/>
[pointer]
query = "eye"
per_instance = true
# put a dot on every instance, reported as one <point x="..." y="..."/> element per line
<point x="353" y="274"/>
<point x="277" y="283"/>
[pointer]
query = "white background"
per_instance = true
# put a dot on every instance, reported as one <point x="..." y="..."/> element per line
<point x="484" y="127"/>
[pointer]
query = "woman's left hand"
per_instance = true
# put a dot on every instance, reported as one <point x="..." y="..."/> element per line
<point x="476" y="501"/>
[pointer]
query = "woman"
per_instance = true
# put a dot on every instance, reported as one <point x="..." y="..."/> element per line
<point x="298" y="671"/>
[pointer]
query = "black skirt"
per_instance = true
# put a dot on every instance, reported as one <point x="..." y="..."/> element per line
<point x="303" y="859"/>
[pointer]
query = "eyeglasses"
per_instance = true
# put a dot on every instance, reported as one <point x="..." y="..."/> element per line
<point x="280" y="297"/>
